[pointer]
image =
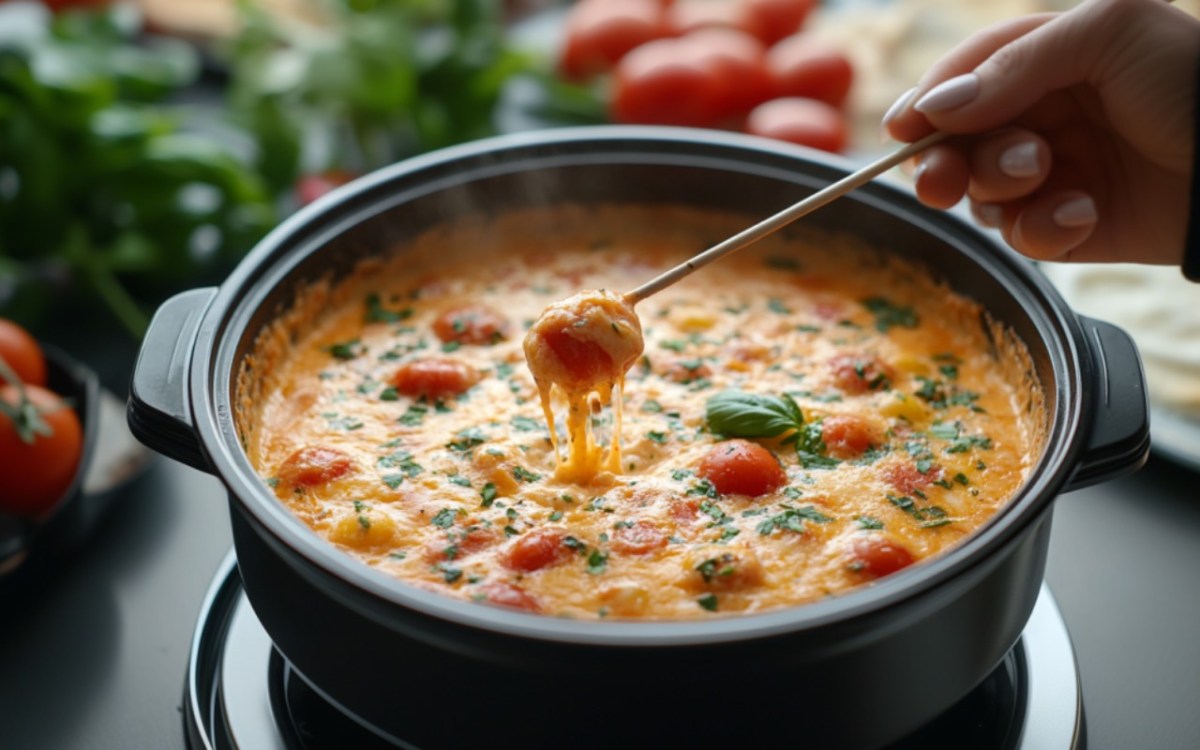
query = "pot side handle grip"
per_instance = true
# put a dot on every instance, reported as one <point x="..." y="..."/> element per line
<point x="159" y="411"/>
<point x="1119" y="442"/>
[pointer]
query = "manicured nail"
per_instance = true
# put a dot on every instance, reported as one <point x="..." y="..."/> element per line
<point x="898" y="105"/>
<point x="949" y="94"/>
<point x="1020" y="160"/>
<point x="989" y="214"/>
<point x="1077" y="212"/>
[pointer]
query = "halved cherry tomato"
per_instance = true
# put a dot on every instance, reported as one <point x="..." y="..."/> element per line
<point x="804" y="66"/>
<point x="860" y="373"/>
<point x="472" y="324"/>
<point x="22" y="353"/>
<point x="738" y="63"/>
<point x="878" y="556"/>
<point x="434" y="378"/>
<point x="638" y="538"/>
<point x="314" y="465"/>
<point x="740" y="467"/>
<point x="908" y="478"/>
<point x="504" y="594"/>
<point x="37" y="474"/>
<point x="772" y="20"/>
<point x="846" y="436"/>
<point x="665" y="82"/>
<point x="537" y="549"/>
<point x="806" y="122"/>
<point x="601" y="32"/>
<point x="584" y="360"/>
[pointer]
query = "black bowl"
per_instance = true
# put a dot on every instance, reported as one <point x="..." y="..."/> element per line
<point x="853" y="671"/>
<point x="30" y="545"/>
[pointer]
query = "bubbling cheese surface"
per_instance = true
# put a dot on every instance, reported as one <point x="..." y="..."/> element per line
<point x="808" y="417"/>
<point x="583" y="346"/>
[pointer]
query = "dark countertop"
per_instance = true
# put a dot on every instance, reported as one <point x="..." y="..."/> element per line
<point x="95" y="656"/>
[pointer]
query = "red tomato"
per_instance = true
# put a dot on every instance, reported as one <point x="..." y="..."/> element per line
<point x="434" y="378"/>
<point x="846" y="436"/>
<point x="807" y="67"/>
<point x="806" y="122"/>
<point x="907" y="478"/>
<point x="740" y="467"/>
<point x="472" y="324"/>
<point x="690" y="15"/>
<point x="60" y="5"/>
<point x="37" y="474"/>
<point x="314" y="465"/>
<point x="537" y="549"/>
<point x="878" y="556"/>
<point x="638" y="538"/>
<point x="686" y="370"/>
<point x="586" y="361"/>
<point x="462" y="544"/>
<point x="666" y="83"/>
<point x="310" y="187"/>
<point x="773" y="20"/>
<point x="22" y="353"/>
<point x="601" y="32"/>
<point x="738" y="61"/>
<point x="510" y="595"/>
<point x="859" y="373"/>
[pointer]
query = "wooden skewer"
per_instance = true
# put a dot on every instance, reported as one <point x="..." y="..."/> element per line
<point x="783" y="218"/>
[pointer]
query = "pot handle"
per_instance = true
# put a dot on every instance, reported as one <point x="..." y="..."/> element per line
<point x="1119" y="442"/>
<point x="159" y="410"/>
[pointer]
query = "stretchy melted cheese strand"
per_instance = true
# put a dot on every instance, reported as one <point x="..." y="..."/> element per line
<point x="583" y="346"/>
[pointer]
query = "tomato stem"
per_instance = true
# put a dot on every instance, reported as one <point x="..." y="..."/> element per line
<point x="25" y="416"/>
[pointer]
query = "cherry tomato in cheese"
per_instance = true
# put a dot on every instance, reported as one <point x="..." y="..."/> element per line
<point x="685" y="16"/>
<point x="22" y="354"/>
<point x="877" y="556"/>
<point x="773" y="20"/>
<point x="585" y="360"/>
<point x="462" y="544"/>
<point x="434" y="378"/>
<point x="510" y="595"/>
<point x="806" y="122"/>
<point x="314" y="465"/>
<point x="472" y="324"/>
<point x="738" y="62"/>
<point x="599" y="33"/>
<point x="37" y="473"/>
<point x="846" y="436"/>
<point x="860" y="373"/>
<point x="908" y="478"/>
<point x="666" y="83"/>
<point x="638" y="538"/>
<point x="537" y="549"/>
<point x="804" y="66"/>
<point x="740" y="467"/>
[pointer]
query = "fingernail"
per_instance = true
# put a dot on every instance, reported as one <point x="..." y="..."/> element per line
<point x="989" y="214"/>
<point x="949" y="94"/>
<point x="1077" y="212"/>
<point x="898" y="105"/>
<point x="1020" y="160"/>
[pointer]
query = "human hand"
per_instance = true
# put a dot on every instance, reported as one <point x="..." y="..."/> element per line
<point x="1073" y="131"/>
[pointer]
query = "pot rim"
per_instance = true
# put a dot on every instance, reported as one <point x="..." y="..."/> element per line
<point x="225" y="321"/>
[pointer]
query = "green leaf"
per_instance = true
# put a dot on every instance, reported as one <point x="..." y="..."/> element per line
<point x="739" y="414"/>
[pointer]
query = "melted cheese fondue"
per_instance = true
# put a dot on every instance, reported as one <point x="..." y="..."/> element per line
<point x="806" y="417"/>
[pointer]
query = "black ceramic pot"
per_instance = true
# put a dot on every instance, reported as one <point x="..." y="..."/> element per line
<point x="854" y="671"/>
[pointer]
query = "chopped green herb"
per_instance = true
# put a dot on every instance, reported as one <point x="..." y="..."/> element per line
<point x="451" y="346"/>
<point x="377" y="313"/>
<point x="708" y="601"/>
<point x="714" y="567"/>
<point x="657" y="437"/>
<point x="467" y="439"/>
<point x="393" y="480"/>
<point x="402" y="460"/>
<point x="556" y="515"/>
<point x="459" y="480"/>
<point x="272" y="482"/>
<point x="776" y="305"/>
<point x="413" y="415"/>
<point x="451" y="574"/>
<point x="347" y="349"/>
<point x="488" y="493"/>
<point x="888" y="315"/>
<point x="524" y="475"/>
<point x="869" y="522"/>
<point x="651" y="406"/>
<point x="389" y="394"/>
<point x="444" y="518"/>
<point x="792" y="519"/>
<point x="525" y="424"/>
<point x="674" y="345"/>
<point x="597" y="562"/>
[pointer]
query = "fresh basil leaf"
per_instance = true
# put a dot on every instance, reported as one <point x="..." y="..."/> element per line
<point x="749" y="415"/>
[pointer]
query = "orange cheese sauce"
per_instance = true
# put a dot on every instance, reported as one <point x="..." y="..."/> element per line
<point x="394" y="414"/>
